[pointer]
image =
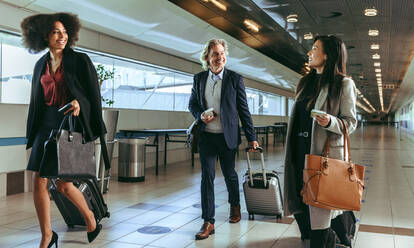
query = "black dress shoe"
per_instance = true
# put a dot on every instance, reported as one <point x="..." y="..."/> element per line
<point x="54" y="240"/>
<point x="92" y="235"/>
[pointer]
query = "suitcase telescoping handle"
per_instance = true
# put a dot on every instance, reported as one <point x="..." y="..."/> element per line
<point x="250" y="167"/>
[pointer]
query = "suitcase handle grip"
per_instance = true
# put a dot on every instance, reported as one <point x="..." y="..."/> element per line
<point x="250" y="167"/>
<point x="256" y="149"/>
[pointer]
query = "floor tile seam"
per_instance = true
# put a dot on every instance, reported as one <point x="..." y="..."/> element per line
<point x="118" y="238"/>
<point x="409" y="184"/>
<point x="26" y="228"/>
<point x="175" y="229"/>
<point x="281" y="235"/>
<point x="391" y="210"/>
<point x="192" y="185"/>
<point x="165" y="234"/>
<point x="151" y="222"/>
<point x="27" y="241"/>
<point x="11" y="228"/>
<point x="156" y="197"/>
<point x="185" y="196"/>
<point x="241" y="236"/>
<point x="170" y="214"/>
<point x="18" y="221"/>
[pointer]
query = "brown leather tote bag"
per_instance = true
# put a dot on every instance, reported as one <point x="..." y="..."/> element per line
<point x="332" y="183"/>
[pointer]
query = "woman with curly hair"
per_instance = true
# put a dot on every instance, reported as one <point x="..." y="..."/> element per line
<point x="60" y="76"/>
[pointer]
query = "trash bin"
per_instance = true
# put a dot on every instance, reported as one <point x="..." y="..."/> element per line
<point x="131" y="160"/>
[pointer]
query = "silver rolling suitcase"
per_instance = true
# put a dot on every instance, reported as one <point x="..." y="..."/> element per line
<point x="262" y="190"/>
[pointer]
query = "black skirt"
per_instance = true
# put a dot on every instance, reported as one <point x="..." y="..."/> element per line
<point x="51" y="120"/>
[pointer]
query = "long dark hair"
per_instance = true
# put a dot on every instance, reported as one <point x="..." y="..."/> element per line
<point x="333" y="72"/>
<point x="36" y="29"/>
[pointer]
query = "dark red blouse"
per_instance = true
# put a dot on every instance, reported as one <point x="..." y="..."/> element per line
<point x="54" y="88"/>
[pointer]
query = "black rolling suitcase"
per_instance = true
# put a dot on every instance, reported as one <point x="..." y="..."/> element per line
<point x="93" y="197"/>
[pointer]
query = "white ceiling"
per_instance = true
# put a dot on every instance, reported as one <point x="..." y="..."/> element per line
<point x="163" y="26"/>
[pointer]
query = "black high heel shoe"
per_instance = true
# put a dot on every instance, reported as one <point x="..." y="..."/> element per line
<point x="54" y="240"/>
<point x="92" y="235"/>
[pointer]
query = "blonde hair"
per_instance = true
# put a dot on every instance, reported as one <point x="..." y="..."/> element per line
<point x="207" y="49"/>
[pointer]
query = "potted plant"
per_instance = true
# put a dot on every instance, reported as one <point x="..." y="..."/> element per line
<point x="103" y="75"/>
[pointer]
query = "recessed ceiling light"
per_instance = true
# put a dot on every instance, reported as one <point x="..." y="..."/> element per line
<point x="378" y="70"/>
<point x="378" y="75"/>
<point x="308" y="36"/>
<point x="374" y="46"/>
<point x="251" y="25"/>
<point x="377" y="64"/>
<point x="373" y="32"/>
<point x="370" y="12"/>
<point x="292" y="18"/>
<point x="219" y="4"/>
<point x="376" y="56"/>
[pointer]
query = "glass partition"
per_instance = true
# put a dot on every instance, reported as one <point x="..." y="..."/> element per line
<point x="135" y="85"/>
<point x="264" y="103"/>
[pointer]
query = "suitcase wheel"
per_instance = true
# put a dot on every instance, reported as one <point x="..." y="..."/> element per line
<point x="251" y="216"/>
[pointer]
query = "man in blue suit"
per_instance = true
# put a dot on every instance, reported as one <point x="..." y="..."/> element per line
<point x="222" y="93"/>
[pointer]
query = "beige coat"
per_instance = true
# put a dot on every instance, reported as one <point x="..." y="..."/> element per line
<point x="344" y="108"/>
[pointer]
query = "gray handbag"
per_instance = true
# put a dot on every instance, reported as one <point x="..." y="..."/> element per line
<point x="67" y="155"/>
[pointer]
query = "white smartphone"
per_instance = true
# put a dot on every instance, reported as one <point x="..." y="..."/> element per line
<point x="209" y="112"/>
<point x="316" y="112"/>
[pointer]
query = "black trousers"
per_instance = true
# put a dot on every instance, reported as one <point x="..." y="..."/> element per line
<point x="323" y="238"/>
<point x="303" y="221"/>
<point x="211" y="146"/>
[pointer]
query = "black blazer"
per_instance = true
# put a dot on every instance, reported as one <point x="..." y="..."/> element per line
<point x="233" y="105"/>
<point x="82" y="83"/>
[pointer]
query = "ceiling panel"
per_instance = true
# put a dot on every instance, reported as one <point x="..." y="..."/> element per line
<point x="284" y="41"/>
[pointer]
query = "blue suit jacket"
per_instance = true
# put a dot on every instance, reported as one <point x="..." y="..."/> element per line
<point x="233" y="105"/>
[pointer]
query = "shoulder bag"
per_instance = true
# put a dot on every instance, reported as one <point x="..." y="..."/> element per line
<point x="332" y="183"/>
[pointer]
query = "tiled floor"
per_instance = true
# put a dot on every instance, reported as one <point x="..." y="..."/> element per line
<point x="170" y="201"/>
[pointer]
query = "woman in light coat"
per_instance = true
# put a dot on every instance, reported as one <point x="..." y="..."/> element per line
<point x="325" y="88"/>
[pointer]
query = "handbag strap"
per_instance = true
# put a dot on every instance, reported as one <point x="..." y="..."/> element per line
<point x="70" y="119"/>
<point x="347" y="149"/>
<point x="62" y="123"/>
<point x="71" y="126"/>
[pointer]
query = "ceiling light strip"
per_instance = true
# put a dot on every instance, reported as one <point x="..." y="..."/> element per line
<point x="251" y="25"/>
<point x="365" y="100"/>
<point x="219" y="5"/>
<point x="359" y="104"/>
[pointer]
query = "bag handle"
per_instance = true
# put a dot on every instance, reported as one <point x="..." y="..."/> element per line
<point x="249" y="167"/>
<point x="68" y="117"/>
<point x="347" y="149"/>
<point x="72" y="129"/>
